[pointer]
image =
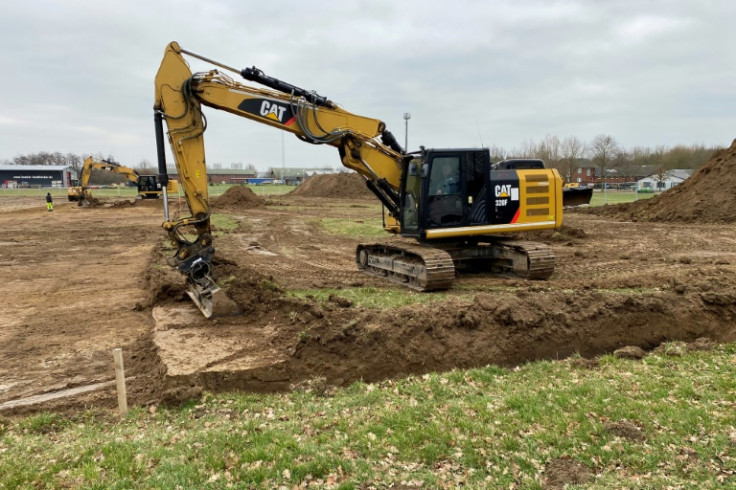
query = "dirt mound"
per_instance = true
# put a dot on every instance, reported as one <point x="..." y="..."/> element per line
<point x="121" y="204"/>
<point x="706" y="197"/>
<point x="565" y="471"/>
<point x="238" y="197"/>
<point x="341" y="185"/>
<point x="96" y="203"/>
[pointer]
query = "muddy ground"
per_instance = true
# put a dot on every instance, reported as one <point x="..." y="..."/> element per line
<point x="79" y="282"/>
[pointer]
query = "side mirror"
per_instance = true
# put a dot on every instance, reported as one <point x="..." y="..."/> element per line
<point x="413" y="169"/>
<point x="425" y="170"/>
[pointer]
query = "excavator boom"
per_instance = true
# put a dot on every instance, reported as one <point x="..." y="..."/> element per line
<point x="179" y="97"/>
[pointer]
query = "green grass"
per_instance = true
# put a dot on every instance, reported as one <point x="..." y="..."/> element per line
<point x="617" y="197"/>
<point x="354" y="228"/>
<point x="224" y="222"/>
<point x="481" y="428"/>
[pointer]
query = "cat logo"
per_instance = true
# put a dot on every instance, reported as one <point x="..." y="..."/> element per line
<point x="506" y="191"/>
<point x="272" y="110"/>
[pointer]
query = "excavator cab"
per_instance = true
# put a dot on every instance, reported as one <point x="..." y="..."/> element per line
<point x="445" y="188"/>
<point x="149" y="187"/>
<point x="455" y="193"/>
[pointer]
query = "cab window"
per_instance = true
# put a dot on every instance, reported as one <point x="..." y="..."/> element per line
<point x="444" y="199"/>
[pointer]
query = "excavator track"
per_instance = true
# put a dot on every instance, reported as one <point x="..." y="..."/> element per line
<point x="417" y="267"/>
<point x="427" y="268"/>
<point x="530" y="260"/>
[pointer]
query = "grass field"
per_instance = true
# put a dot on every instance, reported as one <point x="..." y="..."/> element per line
<point x="617" y="197"/>
<point x="667" y="421"/>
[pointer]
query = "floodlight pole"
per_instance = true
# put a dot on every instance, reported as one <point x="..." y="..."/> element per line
<point x="407" y="116"/>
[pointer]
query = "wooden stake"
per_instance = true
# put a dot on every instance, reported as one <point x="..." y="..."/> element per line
<point x="117" y="355"/>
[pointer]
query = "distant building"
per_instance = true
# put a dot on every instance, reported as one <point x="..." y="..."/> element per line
<point x="292" y="179"/>
<point x="584" y="176"/>
<point x="18" y="176"/>
<point x="260" y="180"/>
<point x="638" y="176"/>
<point x="274" y="175"/>
<point x="290" y="173"/>
<point x="220" y="175"/>
<point x="665" y="181"/>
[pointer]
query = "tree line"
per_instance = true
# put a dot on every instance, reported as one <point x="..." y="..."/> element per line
<point x="567" y="155"/>
<point x="605" y="154"/>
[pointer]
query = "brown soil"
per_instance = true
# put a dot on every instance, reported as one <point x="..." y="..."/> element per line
<point x="339" y="185"/>
<point x="237" y="197"/>
<point x="79" y="282"/>
<point x="625" y="429"/>
<point x="565" y="471"/>
<point x="706" y="197"/>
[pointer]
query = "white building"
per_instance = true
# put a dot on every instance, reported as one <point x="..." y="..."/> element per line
<point x="665" y="181"/>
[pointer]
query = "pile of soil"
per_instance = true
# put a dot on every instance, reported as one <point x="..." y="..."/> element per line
<point x="343" y="185"/>
<point x="238" y="197"/>
<point x="706" y="197"/>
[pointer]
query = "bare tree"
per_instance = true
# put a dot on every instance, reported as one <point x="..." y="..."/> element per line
<point x="572" y="150"/>
<point x="548" y="150"/>
<point x="604" y="149"/>
<point x="641" y="155"/>
<point x="497" y="153"/>
<point x="624" y="164"/>
<point x="528" y="150"/>
<point x="74" y="161"/>
<point x="46" y="158"/>
<point x="661" y="175"/>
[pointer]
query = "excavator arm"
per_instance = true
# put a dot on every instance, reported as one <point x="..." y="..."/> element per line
<point x="363" y="143"/>
<point x="113" y="167"/>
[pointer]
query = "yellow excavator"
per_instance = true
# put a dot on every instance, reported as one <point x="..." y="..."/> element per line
<point x="458" y="206"/>
<point x="148" y="185"/>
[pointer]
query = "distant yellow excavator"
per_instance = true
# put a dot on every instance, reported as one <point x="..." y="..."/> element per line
<point x="148" y="185"/>
<point x="454" y="202"/>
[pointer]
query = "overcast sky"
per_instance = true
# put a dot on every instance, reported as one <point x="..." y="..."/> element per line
<point x="79" y="74"/>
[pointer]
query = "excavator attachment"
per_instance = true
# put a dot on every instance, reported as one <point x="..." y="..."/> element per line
<point x="212" y="301"/>
<point x="203" y="297"/>
<point x="576" y="196"/>
<point x="203" y="290"/>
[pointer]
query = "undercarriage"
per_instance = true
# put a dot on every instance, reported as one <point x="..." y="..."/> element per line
<point x="425" y="267"/>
